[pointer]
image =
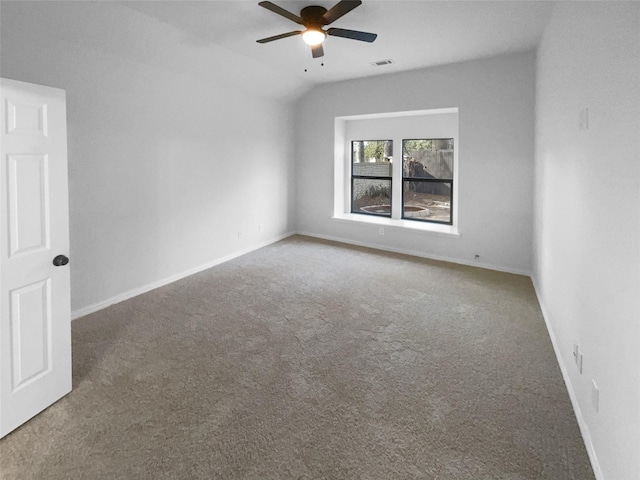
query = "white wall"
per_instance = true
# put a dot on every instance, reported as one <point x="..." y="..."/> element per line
<point x="587" y="218"/>
<point x="495" y="98"/>
<point x="164" y="168"/>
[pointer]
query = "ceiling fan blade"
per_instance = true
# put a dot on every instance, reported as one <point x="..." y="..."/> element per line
<point x="278" y="37"/>
<point x="281" y="11"/>
<point x="317" y="51"/>
<point x="339" y="9"/>
<point x="352" y="34"/>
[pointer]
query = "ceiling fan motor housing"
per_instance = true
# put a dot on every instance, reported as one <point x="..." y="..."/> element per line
<point x="312" y="16"/>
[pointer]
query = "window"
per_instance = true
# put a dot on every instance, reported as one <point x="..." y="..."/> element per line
<point x="427" y="180"/>
<point x="415" y="187"/>
<point x="371" y="166"/>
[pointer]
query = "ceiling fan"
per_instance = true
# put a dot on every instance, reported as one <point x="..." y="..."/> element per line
<point x="313" y="18"/>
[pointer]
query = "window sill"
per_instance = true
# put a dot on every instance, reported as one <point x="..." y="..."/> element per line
<point x="436" y="228"/>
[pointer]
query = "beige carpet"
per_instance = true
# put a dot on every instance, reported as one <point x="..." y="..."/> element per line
<point x="312" y="360"/>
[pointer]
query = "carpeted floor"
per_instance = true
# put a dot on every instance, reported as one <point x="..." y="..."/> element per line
<point x="312" y="360"/>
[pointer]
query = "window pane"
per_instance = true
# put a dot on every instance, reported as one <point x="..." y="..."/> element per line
<point x="371" y="196"/>
<point x="428" y="158"/>
<point x="372" y="158"/>
<point x="427" y="201"/>
<point x="370" y="169"/>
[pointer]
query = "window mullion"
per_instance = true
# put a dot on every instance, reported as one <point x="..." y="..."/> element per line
<point x="396" y="180"/>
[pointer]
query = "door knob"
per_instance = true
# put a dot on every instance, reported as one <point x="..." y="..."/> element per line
<point x="60" y="260"/>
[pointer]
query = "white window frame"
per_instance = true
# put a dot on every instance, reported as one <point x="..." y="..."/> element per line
<point x="400" y="122"/>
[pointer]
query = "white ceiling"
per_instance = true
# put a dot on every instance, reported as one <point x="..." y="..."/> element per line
<point x="216" y="40"/>
<point x="413" y="34"/>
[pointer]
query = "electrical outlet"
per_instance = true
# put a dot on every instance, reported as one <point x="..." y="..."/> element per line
<point x="580" y="362"/>
<point x="381" y="230"/>
<point x="595" y="395"/>
<point x="239" y="235"/>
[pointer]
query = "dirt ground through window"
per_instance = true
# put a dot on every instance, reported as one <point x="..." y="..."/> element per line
<point x="438" y="205"/>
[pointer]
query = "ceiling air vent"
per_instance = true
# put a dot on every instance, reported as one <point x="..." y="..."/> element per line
<point x="379" y="63"/>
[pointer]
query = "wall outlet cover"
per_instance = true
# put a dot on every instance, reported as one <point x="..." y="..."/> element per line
<point x="580" y="362"/>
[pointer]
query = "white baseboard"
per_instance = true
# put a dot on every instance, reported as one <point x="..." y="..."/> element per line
<point x="582" y="424"/>
<point x="81" y="312"/>
<point x="415" y="253"/>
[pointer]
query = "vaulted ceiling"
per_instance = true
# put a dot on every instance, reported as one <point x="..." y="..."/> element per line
<point x="413" y="34"/>
<point x="212" y="39"/>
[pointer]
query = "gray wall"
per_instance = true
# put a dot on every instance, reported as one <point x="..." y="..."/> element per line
<point x="495" y="98"/>
<point x="165" y="168"/>
<point x="587" y="218"/>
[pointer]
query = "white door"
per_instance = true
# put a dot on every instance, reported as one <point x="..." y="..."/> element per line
<point x="35" y="322"/>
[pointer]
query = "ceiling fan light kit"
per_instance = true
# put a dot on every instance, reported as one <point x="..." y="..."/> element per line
<point x="313" y="37"/>
<point x="313" y="18"/>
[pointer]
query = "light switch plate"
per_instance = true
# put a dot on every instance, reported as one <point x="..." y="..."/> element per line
<point x="584" y="119"/>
